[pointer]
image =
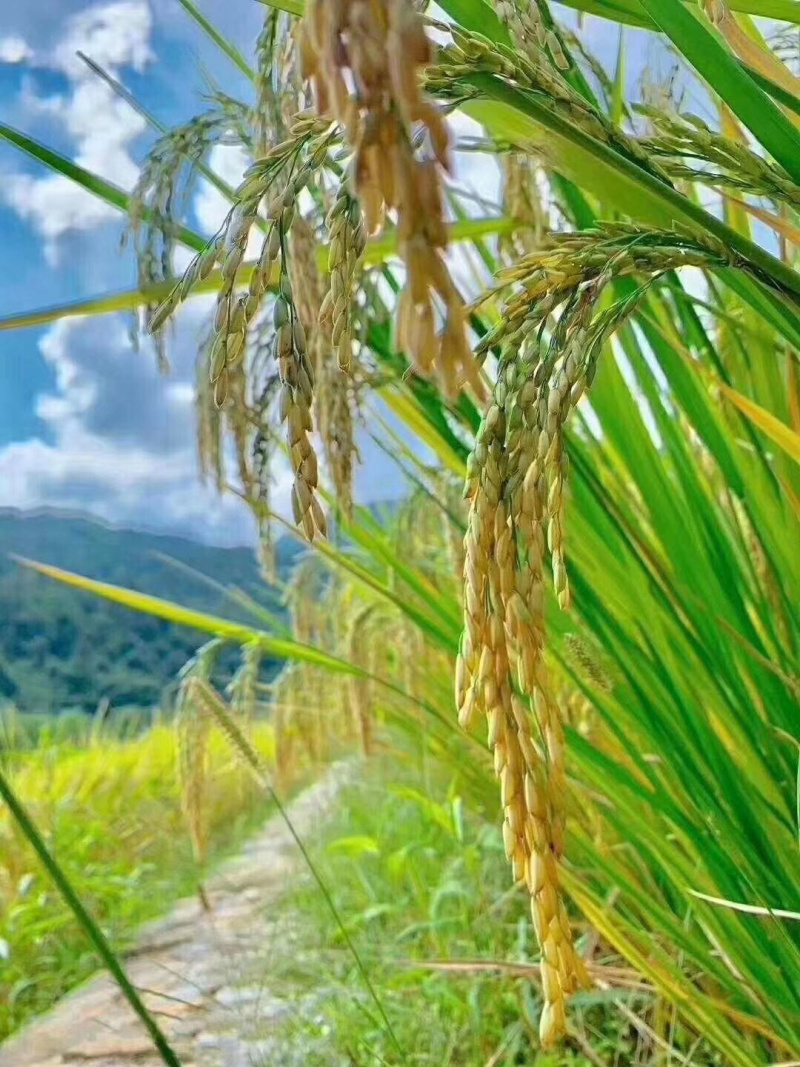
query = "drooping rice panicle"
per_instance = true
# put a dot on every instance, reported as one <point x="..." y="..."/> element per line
<point x="522" y="201"/>
<point x="209" y="420"/>
<point x="333" y="402"/>
<point x="365" y="62"/>
<point x="471" y="53"/>
<point x="533" y="30"/>
<point x="243" y="689"/>
<point x="347" y="243"/>
<point x="156" y="200"/>
<point x="307" y="138"/>
<point x="192" y="748"/>
<point x="278" y="90"/>
<point x="297" y="391"/>
<point x="515" y="484"/>
<point x="360" y="689"/>
<point x="690" y="150"/>
<point x="270" y="188"/>
<point x="264" y="448"/>
<point x="213" y="709"/>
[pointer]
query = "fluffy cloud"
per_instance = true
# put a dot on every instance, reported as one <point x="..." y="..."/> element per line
<point x="114" y="35"/>
<point x="101" y="126"/>
<point x="117" y="438"/>
<point x="120" y="439"/>
<point x="229" y="163"/>
<point x="15" y="49"/>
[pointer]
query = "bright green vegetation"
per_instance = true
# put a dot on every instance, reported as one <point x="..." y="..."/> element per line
<point x="110" y="812"/>
<point x="676" y="668"/>
<point x="421" y="881"/>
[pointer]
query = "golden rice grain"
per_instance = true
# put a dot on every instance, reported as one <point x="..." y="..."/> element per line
<point x="192" y="749"/>
<point x="334" y="397"/>
<point x="515" y="484"/>
<point x="365" y="58"/>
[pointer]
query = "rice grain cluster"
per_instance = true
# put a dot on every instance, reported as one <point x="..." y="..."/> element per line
<point x="550" y="335"/>
<point x="365" y="59"/>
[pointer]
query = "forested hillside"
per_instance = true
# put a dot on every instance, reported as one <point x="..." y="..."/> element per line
<point x="60" y="648"/>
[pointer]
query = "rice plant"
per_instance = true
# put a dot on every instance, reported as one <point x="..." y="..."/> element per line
<point x="109" y="811"/>
<point x="608" y="360"/>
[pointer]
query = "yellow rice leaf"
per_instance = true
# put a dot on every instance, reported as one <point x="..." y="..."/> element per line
<point x="777" y="431"/>
<point x="780" y="225"/>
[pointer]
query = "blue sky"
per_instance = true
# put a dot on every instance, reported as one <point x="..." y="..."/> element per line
<point x="85" y="420"/>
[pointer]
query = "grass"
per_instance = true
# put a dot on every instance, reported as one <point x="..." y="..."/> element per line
<point x="110" y="813"/>
<point x="677" y="666"/>
<point x="446" y="941"/>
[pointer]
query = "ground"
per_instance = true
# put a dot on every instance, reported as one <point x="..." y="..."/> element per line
<point x="205" y="975"/>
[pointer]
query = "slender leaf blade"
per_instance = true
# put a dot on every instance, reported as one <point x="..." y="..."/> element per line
<point x="709" y="56"/>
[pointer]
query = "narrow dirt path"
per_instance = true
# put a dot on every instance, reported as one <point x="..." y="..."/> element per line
<point x="205" y="975"/>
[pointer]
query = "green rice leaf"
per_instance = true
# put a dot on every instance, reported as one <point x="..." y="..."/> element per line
<point x="99" y="187"/>
<point x="776" y="430"/>
<point x="222" y="42"/>
<point x="710" y="57"/>
<point x="378" y="249"/>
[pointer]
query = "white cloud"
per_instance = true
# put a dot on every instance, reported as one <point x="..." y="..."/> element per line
<point x="229" y="162"/>
<point x="120" y="441"/>
<point x="121" y="485"/>
<point x="15" y="49"/>
<point x="101" y="126"/>
<point x="113" y="35"/>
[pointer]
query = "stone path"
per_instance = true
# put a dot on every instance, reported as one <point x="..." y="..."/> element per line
<point x="204" y="975"/>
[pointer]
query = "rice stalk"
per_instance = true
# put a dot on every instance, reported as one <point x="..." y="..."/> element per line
<point x="234" y="316"/>
<point x="333" y="402"/>
<point x="209" y="421"/>
<point x="263" y="450"/>
<point x="164" y="183"/>
<point x="501" y="649"/>
<point x="243" y="690"/>
<point x="515" y="483"/>
<point x="278" y="90"/>
<point x="522" y="201"/>
<point x="690" y="150"/>
<point x="360" y="689"/>
<point x="347" y="243"/>
<point x="533" y="31"/>
<point x="471" y="53"/>
<point x="192" y="750"/>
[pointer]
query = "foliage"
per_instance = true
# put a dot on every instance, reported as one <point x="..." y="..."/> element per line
<point x="22" y="731"/>
<point x="672" y="329"/>
<point x="110" y="810"/>
<point x="420" y="877"/>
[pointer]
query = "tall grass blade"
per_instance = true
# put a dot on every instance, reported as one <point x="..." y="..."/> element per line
<point x="90" y="927"/>
<point x="378" y="250"/>
<point x="99" y="187"/>
<point x="631" y="11"/>
<point x="777" y="431"/>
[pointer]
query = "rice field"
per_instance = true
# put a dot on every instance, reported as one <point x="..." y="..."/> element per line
<point x="568" y="657"/>
<point x="110" y="811"/>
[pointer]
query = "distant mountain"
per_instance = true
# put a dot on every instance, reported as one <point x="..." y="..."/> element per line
<point x="61" y="648"/>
